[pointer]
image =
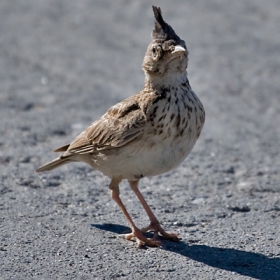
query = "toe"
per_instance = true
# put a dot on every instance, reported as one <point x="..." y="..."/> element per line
<point x="129" y="236"/>
<point x="158" y="229"/>
<point x="141" y="239"/>
<point x="172" y="236"/>
<point x="152" y="242"/>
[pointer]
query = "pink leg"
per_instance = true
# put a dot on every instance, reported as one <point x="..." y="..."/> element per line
<point x="154" y="225"/>
<point x="136" y="232"/>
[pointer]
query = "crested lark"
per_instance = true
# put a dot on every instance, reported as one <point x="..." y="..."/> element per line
<point x="148" y="133"/>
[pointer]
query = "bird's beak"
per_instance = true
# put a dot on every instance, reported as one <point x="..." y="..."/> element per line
<point x="178" y="50"/>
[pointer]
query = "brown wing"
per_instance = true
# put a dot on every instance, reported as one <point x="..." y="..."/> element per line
<point x="121" y="124"/>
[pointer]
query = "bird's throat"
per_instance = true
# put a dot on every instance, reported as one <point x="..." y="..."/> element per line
<point x="155" y="81"/>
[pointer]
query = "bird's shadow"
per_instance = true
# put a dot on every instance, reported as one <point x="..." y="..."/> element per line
<point x="250" y="264"/>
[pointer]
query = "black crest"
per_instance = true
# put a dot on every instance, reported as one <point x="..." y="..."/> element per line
<point x="162" y="30"/>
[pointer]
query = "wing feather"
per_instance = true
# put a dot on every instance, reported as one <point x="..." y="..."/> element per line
<point x="120" y="125"/>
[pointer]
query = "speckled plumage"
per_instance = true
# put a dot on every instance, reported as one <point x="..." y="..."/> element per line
<point x="148" y="133"/>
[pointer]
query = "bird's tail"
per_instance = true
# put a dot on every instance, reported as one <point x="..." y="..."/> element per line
<point x="53" y="164"/>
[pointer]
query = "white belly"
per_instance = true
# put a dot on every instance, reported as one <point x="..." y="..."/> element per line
<point x="135" y="161"/>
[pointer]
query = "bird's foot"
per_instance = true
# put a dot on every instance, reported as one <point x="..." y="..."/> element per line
<point x="156" y="228"/>
<point x="141" y="240"/>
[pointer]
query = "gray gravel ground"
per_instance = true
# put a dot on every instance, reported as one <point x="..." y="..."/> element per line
<point x="62" y="65"/>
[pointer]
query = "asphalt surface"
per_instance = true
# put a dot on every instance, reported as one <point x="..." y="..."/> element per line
<point x="62" y="65"/>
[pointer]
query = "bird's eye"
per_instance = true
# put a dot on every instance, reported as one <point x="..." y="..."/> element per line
<point x="157" y="52"/>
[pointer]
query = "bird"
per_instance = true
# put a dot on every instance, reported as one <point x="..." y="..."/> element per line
<point x="146" y="134"/>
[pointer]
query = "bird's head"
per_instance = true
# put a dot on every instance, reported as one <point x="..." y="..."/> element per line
<point x="167" y="53"/>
